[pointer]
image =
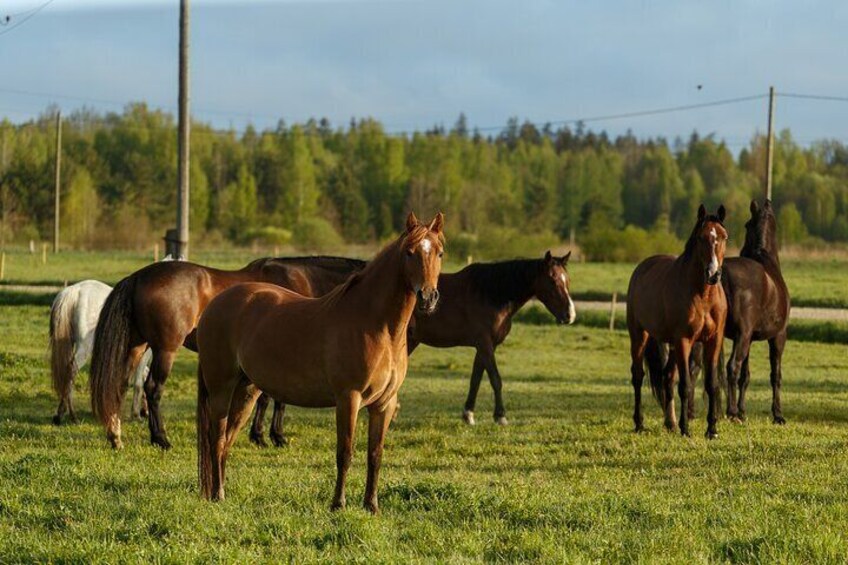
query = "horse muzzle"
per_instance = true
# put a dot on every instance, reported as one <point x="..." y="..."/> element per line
<point x="713" y="279"/>
<point x="427" y="300"/>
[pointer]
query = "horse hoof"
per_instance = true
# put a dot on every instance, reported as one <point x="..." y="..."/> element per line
<point x="711" y="434"/>
<point x="161" y="441"/>
<point x="57" y="420"/>
<point x="258" y="440"/>
<point x="468" y="417"/>
<point x="279" y="440"/>
<point x="337" y="505"/>
<point x="639" y="429"/>
<point x="501" y="421"/>
<point x="116" y="444"/>
<point x="143" y="413"/>
<point x="372" y="507"/>
<point x="779" y="420"/>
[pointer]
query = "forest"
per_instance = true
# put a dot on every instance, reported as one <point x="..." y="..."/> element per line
<point x="316" y="186"/>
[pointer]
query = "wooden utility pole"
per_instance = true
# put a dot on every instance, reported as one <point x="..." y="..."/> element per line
<point x="770" y="143"/>
<point x="183" y="139"/>
<point x="58" y="182"/>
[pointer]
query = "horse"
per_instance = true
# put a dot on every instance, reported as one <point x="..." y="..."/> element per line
<point x="680" y="301"/>
<point x="73" y="318"/>
<point x="475" y="310"/>
<point x="346" y="350"/>
<point x="158" y="307"/>
<point x="758" y="309"/>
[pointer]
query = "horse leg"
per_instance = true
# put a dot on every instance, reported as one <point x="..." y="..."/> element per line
<point x="277" y="425"/>
<point x="696" y="361"/>
<point x="712" y="350"/>
<point x="257" y="431"/>
<point x="776" y="345"/>
<point x="744" y="381"/>
<point x="682" y="349"/>
<point x="241" y="405"/>
<point x="495" y="380"/>
<point x="476" y="377"/>
<point x="741" y="347"/>
<point x="669" y="376"/>
<point x="160" y="368"/>
<point x="638" y="341"/>
<point x="347" y="408"/>
<point x="379" y="419"/>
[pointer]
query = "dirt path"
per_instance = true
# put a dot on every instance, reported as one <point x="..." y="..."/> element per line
<point x="797" y="313"/>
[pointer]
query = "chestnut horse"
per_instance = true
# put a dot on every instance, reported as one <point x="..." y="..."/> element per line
<point x="681" y="301"/>
<point x="158" y="307"/>
<point x="475" y="310"/>
<point x="346" y="349"/>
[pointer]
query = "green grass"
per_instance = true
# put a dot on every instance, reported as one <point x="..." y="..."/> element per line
<point x="566" y="481"/>
<point x="820" y="282"/>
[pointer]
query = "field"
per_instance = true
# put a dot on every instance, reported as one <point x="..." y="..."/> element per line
<point x="566" y="481"/>
<point x="821" y="282"/>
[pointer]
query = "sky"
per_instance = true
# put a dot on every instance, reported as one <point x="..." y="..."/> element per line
<point x="413" y="64"/>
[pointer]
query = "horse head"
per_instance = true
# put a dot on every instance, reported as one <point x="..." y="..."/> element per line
<point x="423" y="248"/>
<point x="760" y="231"/>
<point x="708" y="243"/>
<point x="553" y="288"/>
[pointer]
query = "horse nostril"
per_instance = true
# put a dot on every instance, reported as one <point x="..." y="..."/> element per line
<point x="436" y="295"/>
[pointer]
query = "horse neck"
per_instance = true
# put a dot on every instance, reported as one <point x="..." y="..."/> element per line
<point x="379" y="297"/>
<point x="765" y="252"/>
<point x="693" y="273"/>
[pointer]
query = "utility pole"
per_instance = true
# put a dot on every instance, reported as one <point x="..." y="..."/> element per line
<point x="58" y="181"/>
<point x="183" y="139"/>
<point x="770" y="143"/>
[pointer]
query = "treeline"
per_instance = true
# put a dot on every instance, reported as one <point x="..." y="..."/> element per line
<point x="316" y="186"/>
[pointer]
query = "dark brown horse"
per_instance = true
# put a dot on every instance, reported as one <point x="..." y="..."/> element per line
<point x="758" y="301"/>
<point x="158" y="307"/>
<point x="476" y="309"/>
<point x="346" y="349"/>
<point x="758" y="309"/>
<point x="680" y="301"/>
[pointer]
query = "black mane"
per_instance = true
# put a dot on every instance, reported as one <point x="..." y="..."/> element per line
<point x="693" y="237"/>
<point x="505" y="281"/>
<point x="339" y="264"/>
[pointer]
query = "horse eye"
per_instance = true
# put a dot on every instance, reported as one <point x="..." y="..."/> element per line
<point x="441" y="254"/>
<point x="410" y="252"/>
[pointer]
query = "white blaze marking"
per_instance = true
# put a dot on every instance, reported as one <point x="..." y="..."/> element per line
<point x="572" y="313"/>
<point x="562" y="276"/>
<point x="425" y="245"/>
<point x="713" y="268"/>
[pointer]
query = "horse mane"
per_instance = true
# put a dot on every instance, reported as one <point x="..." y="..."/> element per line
<point x="758" y="246"/>
<point x="689" y="250"/>
<point x="406" y="239"/>
<point x="505" y="281"/>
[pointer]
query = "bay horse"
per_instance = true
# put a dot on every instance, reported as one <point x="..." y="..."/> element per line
<point x="475" y="310"/>
<point x="346" y="349"/>
<point x="680" y="301"/>
<point x="73" y="319"/>
<point x="158" y="307"/>
<point x="758" y="309"/>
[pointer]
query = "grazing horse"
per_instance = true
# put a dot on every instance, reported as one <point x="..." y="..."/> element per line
<point x="475" y="310"/>
<point x="346" y="349"/>
<point x="73" y="318"/>
<point x="158" y="307"/>
<point x="758" y="309"/>
<point x="680" y="301"/>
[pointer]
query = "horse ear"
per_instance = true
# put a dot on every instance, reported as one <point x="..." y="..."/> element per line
<point x="438" y="223"/>
<point x="702" y="212"/>
<point x="565" y="259"/>
<point x="721" y="213"/>
<point x="755" y="207"/>
<point x="411" y="222"/>
<point x="768" y="203"/>
<point x="548" y="257"/>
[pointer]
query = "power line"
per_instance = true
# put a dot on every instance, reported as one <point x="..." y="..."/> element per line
<point x="813" y="96"/>
<point x="30" y="14"/>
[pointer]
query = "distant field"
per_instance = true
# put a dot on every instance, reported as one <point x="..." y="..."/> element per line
<point x="818" y="282"/>
<point x="566" y="481"/>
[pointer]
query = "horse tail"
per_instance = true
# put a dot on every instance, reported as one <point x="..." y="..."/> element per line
<point x="110" y="366"/>
<point x="204" y="447"/>
<point x="656" y="368"/>
<point x="62" y="369"/>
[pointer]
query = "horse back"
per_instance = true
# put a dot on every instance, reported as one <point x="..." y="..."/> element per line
<point x="758" y="301"/>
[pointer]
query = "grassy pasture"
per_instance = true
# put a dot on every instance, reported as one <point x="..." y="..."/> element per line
<point x="817" y="282"/>
<point x="566" y="481"/>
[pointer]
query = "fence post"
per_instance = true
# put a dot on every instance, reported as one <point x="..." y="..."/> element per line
<point x="469" y="260"/>
<point x="2" y="266"/>
<point x="612" y="311"/>
<point x="43" y="253"/>
<point x="155" y="252"/>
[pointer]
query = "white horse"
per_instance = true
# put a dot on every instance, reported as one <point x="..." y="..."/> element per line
<point x="73" y="319"/>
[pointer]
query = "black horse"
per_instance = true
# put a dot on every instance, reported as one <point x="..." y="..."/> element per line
<point x="758" y="310"/>
<point x="475" y="309"/>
